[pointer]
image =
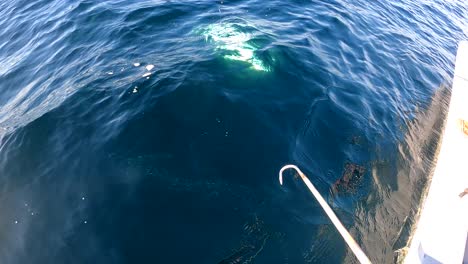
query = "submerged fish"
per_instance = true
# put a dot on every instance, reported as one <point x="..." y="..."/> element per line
<point x="235" y="41"/>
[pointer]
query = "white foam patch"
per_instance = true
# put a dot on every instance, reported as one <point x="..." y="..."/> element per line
<point x="149" y="67"/>
<point x="146" y="74"/>
<point x="136" y="64"/>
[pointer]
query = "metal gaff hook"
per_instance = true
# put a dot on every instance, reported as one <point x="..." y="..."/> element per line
<point x="360" y="255"/>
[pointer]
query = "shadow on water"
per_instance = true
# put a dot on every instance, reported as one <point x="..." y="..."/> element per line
<point x="379" y="200"/>
<point x="423" y="139"/>
<point x="386" y="218"/>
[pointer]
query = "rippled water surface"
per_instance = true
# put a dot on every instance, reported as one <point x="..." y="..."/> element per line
<point x="153" y="131"/>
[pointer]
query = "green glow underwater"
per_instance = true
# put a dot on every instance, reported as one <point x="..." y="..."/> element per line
<point x="230" y="38"/>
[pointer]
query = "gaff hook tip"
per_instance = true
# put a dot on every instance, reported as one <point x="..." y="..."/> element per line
<point x="285" y="167"/>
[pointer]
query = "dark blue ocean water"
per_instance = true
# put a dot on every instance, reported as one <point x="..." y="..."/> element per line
<point x="153" y="131"/>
